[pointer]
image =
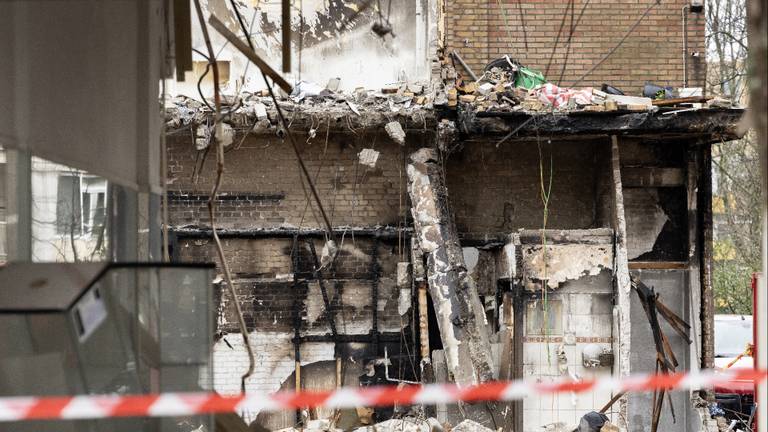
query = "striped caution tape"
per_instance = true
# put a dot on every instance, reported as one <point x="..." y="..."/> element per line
<point x="186" y="404"/>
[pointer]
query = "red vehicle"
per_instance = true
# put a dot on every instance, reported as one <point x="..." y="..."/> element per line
<point x="735" y="348"/>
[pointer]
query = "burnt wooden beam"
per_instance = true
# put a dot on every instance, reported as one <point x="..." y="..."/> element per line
<point x="460" y="314"/>
<point x="637" y="177"/>
<point x="182" y="37"/>
<point x="569" y="236"/>
<point x="286" y="27"/>
<point x="623" y="286"/>
<point x="249" y="53"/>
<point x="705" y="241"/>
<point x="353" y="338"/>
<point x="714" y="123"/>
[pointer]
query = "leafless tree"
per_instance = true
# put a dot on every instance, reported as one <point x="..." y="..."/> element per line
<point x="736" y="172"/>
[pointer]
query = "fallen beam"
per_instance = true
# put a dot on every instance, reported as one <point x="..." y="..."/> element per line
<point x="460" y="314"/>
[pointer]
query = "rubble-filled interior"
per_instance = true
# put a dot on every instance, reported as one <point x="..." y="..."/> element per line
<point x="322" y="216"/>
<point x="476" y="240"/>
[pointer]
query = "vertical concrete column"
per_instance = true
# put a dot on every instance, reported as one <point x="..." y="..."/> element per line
<point x="621" y="262"/>
<point x="460" y="315"/>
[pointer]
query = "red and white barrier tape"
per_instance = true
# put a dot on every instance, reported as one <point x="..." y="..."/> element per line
<point x="186" y="404"/>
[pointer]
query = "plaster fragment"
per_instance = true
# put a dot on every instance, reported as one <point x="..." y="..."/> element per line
<point x="368" y="157"/>
<point x="396" y="132"/>
<point x="224" y="134"/>
<point x="563" y="263"/>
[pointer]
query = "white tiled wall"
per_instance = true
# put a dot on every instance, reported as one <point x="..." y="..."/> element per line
<point x="586" y="316"/>
<point x="274" y="362"/>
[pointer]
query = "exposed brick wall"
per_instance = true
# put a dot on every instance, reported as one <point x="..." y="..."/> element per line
<point x="498" y="190"/>
<point x="481" y="32"/>
<point x="271" y="257"/>
<point x="492" y="190"/>
<point x="262" y="268"/>
<point x="261" y="187"/>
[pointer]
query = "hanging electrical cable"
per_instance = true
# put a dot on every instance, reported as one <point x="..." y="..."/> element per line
<point x="331" y="242"/>
<point x="570" y="38"/>
<point x="568" y="7"/>
<point x="650" y="7"/>
<point x="212" y="199"/>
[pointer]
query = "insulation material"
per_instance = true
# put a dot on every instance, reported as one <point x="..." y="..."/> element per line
<point x="561" y="263"/>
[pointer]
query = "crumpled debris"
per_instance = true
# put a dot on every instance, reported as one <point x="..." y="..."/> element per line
<point x="328" y="254"/>
<point x="716" y="410"/>
<point x="470" y="426"/>
<point x="251" y="111"/>
<point x="592" y="421"/>
<point x="396" y="132"/>
<point x="368" y="157"/>
<point x="561" y="97"/>
<point x="306" y="89"/>
<point x="258" y="110"/>
<point x="202" y="137"/>
<point x="405" y="425"/>
<point x="353" y="107"/>
<point x="447" y="135"/>
<point x="320" y="425"/>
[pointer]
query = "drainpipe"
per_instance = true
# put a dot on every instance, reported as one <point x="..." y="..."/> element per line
<point x="685" y="45"/>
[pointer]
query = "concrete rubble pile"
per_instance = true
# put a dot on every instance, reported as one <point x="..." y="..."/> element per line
<point x="499" y="89"/>
<point x="317" y="106"/>
<point x="408" y="424"/>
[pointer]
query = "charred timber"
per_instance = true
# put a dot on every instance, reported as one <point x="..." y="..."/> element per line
<point x="353" y="338"/>
<point x="460" y="314"/>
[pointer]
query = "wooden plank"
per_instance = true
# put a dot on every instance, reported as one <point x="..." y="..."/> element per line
<point x="623" y="283"/>
<point x="182" y="37"/>
<point x="248" y="53"/>
<point x="694" y="256"/>
<point x="286" y="24"/>
<point x="677" y="101"/>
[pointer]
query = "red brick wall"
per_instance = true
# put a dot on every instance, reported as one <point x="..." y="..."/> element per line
<point x="480" y="32"/>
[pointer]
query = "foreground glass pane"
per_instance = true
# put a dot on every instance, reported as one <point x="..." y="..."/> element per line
<point x="98" y="328"/>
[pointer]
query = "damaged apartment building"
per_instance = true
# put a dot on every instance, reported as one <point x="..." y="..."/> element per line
<point x="466" y="227"/>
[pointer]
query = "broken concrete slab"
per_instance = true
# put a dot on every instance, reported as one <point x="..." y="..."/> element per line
<point x="460" y="314"/>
